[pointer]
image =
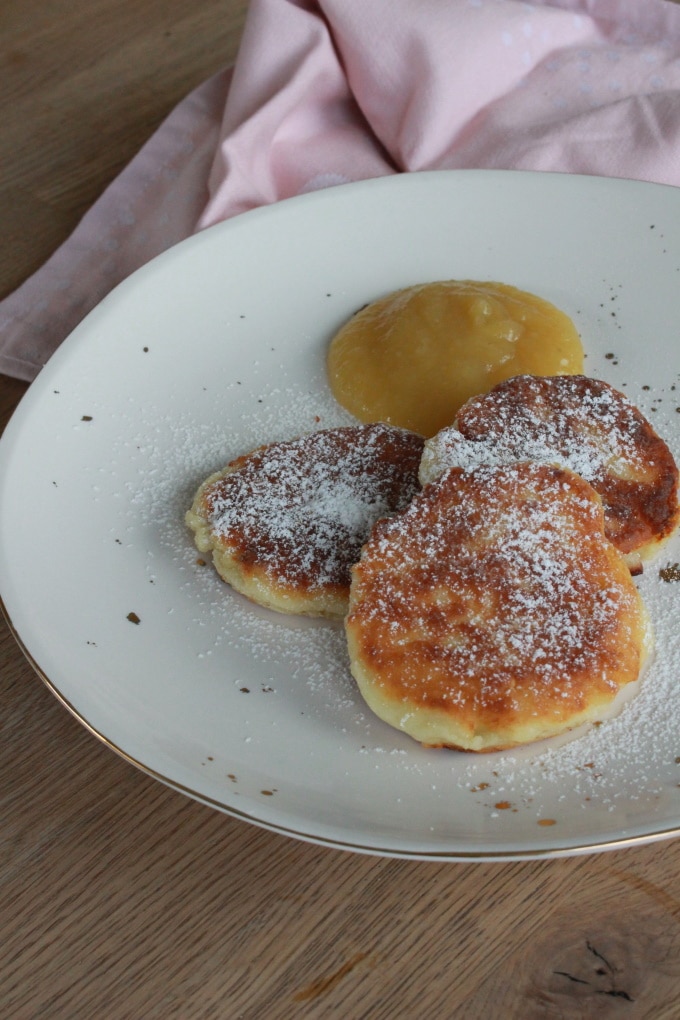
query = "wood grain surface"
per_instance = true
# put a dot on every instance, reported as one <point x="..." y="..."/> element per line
<point x="123" y="899"/>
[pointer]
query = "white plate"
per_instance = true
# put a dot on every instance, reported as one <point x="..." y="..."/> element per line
<point x="219" y="345"/>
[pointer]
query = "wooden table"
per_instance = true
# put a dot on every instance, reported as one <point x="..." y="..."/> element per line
<point x="123" y="899"/>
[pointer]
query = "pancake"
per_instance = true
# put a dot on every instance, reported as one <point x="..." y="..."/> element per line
<point x="582" y="424"/>
<point x="285" y="522"/>
<point x="494" y="612"/>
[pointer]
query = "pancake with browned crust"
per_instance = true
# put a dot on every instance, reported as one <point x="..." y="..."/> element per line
<point x="285" y="522"/>
<point x="494" y="612"/>
<point x="575" y="422"/>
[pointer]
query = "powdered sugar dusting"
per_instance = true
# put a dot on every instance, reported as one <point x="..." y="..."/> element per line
<point x="302" y="665"/>
<point x="495" y="589"/>
<point x="589" y="429"/>
<point x="579" y="423"/>
<point x="302" y="509"/>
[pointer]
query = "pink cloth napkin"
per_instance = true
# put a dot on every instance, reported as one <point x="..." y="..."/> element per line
<point x="329" y="91"/>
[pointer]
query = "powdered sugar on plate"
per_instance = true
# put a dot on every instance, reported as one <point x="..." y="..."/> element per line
<point x="303" y="664"/>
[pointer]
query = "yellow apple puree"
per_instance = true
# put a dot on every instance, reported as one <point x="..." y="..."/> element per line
<point x="413" y="357"/>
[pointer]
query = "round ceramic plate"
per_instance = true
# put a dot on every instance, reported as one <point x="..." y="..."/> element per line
<point x="219" y="345"/>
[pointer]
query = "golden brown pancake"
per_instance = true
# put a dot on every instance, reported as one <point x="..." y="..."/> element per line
<point x="285" y="522"/>
<point x="575" y="422"/>
<point x="494" y="612"/>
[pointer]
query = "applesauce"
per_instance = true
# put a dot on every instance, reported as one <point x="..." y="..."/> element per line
<point x="413" y="357"/>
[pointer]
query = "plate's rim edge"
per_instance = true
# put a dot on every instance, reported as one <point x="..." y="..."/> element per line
<point x="453" y="856"/>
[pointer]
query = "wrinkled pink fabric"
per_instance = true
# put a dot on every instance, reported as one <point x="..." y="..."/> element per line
<point x="329" y="91"/>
